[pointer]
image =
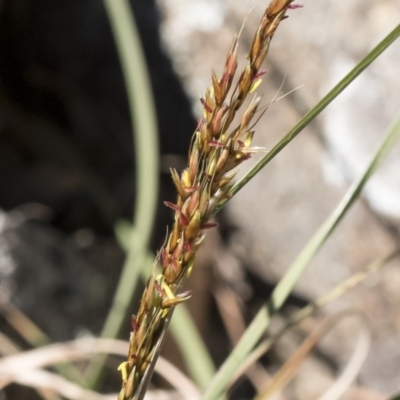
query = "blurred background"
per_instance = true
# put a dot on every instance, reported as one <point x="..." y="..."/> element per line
<point x="67" y="175"/>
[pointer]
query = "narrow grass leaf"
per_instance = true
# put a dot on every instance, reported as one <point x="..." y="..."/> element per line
<point x="192" y="347"/>
<point x="143" y="117"/>
<point x="350" y="77"/>
<point x="286" y="284"/>
<point x="289" y="369"/>
<point x="306" y="311"/>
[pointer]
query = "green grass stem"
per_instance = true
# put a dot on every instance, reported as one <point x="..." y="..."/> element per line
<point x="288" y="281"/>
<point x="191" y="345"/>
<point x="315" y="111"/>
<point x="143" y="116"/>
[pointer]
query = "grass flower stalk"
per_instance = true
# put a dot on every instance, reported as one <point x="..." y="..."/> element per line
<point x="216" y="150"/>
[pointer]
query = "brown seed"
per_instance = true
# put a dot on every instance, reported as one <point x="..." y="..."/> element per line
<point x="216" y="88"/>
<point x="178" y="251"/>
<point x="261" y="57"/>
<point x="257" y="43"/>
<point x="194" y="202"/>
<point x="277" y="6"/>
<point x="204" y="199"/>
<point x="178" y="185"/>
<point x="211" y="167"/>
<point x="171" y="272"/>
<point x="173" y="238"/>
<point x="130" y="383"/>
<point x="225" y="180"/>
<point x="139" y="334"/>
<point x="231" y="61"/>
<point x="189" y="267"/>
<point x="183" y="221"/>
<point x="249" y="138"/>
<point x="223" y="158"/>
<point x="187" y="257"/>
<point x="244" y="84"/>
<point x="165" y="257"/>
<point x="249" y="114"/>
<point x="149" y="294"/>
<point x="193" y="228"/>
<point x="185" y="211"/>
<point x="132" y="348"/>
<point x="193" y="163"/>
<point x="185" y="178"/>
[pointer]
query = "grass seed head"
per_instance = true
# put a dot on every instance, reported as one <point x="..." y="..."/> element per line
<point x="215" y="151"/>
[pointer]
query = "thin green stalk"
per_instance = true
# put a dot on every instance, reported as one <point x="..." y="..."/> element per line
<point x="306" y="311"/>
<point x="191" y="345"/>
<point x="142" y="111"/>
<point x="286" y="284"/>
<point x="288" y="281"/>
<point x="350" y="77"/>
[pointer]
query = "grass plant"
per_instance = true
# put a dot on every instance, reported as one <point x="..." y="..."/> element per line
<point x="216" y="150"/>
<point x="206" y="185"/>
<point x="219" y="145"/>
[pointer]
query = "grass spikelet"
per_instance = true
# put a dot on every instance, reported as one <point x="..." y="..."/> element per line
<point x="216" y="149"/>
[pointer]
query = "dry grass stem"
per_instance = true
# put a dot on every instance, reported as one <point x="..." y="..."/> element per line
<point x="25" y="367"/>
<point x="44" y="380"/>
<point x="306" y="311"/>
<point x="26" y="328"/>
<point x="233" y="320"/>
<point x="291" y="366"/>
<point x="8" y="347"/>
<point x="361" y="393"/>
<point x="216" y="149"/>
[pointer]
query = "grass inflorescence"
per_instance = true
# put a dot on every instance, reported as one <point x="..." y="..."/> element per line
<point x="216" y="150"/>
